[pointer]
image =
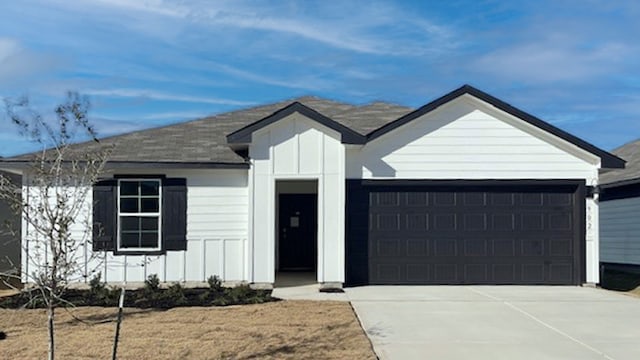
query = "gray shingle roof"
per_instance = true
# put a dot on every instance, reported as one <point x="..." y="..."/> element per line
<point x="204" y="140"/>
<point x="631" y="153"/>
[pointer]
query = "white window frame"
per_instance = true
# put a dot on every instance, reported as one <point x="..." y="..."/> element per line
<point x="140" y="214"/>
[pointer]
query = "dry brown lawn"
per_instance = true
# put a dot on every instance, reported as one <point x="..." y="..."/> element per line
<point x="278" y="330"/>
<point x="7" y="292"/>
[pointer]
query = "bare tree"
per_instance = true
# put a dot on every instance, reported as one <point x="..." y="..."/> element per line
<point x="54" y="205"/>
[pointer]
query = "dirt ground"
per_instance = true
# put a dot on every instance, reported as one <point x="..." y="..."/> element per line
<point x="279" y="330"/>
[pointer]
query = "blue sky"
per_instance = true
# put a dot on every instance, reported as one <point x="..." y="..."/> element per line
<point x="575" y="64"/>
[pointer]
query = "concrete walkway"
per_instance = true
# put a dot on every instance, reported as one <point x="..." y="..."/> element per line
<point x="498" y="322"/>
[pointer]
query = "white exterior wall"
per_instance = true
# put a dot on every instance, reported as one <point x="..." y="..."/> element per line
<point x="620" y="231"/>
<point x="217" y="213"/>
<point x="297" y="148"/>
<point x="468" y="139"/>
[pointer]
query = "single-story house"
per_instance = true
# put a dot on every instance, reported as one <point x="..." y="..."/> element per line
<point x="9" y="232"/>
<point x="620" y="212"/>
<point x="466" y="189"/>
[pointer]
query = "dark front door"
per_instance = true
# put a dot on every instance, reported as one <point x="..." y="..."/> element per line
<point x="298" y="231"/>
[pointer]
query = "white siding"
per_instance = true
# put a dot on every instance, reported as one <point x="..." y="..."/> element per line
<point x="217" y="225"/>
<point x="297" y="148"/>
<point x="620" y="231"/>
<point x="465" y="140"/>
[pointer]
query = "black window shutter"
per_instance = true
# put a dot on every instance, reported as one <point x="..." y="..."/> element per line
<point x="104" y="215"/>
<point x="174" y="214"/>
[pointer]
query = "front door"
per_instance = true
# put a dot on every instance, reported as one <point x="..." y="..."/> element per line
<point x="297" y="228"/>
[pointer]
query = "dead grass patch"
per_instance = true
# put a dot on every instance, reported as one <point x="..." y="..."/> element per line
<point x="8" y="292"/>
<point x="279" y="330"/>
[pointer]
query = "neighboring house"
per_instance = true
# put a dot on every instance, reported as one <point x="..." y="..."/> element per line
<point x="620" y="212"/>
<point x="464" y="190"/>
<point x="9" y="232"/>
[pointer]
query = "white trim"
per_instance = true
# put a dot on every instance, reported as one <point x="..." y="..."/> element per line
<point x="139" y="214"/>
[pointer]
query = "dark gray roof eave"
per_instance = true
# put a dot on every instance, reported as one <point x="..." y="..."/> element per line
<point x="625" y="182"/>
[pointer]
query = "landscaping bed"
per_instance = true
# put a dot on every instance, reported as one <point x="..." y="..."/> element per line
<point x="149" y="296"/>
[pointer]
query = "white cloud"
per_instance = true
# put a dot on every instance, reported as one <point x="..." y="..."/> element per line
<point x="17" y="63"/>
<point x="156" y="95"/>
<point x="369" y="28"/>
<point x="548" y="62"/>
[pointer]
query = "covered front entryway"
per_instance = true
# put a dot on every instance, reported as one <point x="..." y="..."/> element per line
<point x="465" y="232"/>
<point x="297" y="230"/>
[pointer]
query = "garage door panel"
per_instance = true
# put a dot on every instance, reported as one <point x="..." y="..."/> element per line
<point x="531" y="247"/>
<point x="445" y="221"/>
<point x="559" y="221"/>
<point x="504" y="247"/>
<point x="473" y="235"/>
<point x="474" y="198"/>
<point x="504" y="273"/>
<point x="502" y="199"/>
<point x="443" y="247"/>
<point x="416" y="198"/>
<point x="445" y="274"/>
<point x="476" y="273"/>
<point x="503" y="221"/>
<point x="533" y="273"/>
<point x="417" y="272"/>
<point x="560" y="273"/>
<point x="444" y="198"/>
<point x="387" y="222"/>
<point x="561" y="247"/>
<point x="474" y="246"/>
<point x="474" y="221"/>
<point x="417" y="247"/>
<point x="532" y="221"/>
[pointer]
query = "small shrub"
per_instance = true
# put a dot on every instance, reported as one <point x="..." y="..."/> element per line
<point x="152" y="284"/>
<point x="96" y="284"/>
<point x="215" y="284"/>
<point x="240" y="293"/>
<point x="174" y="296"/>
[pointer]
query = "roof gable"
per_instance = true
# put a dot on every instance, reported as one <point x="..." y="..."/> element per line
<point x="607" y="160"/>
<point x="244" y="135"/>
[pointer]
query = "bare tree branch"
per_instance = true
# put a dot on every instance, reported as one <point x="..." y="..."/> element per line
<point x="54" y="200"/>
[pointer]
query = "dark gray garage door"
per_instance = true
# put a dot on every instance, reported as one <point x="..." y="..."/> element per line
<point x="492" y="233"/>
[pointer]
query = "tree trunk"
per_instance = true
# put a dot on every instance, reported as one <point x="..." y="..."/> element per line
<point x="50" y="314"/>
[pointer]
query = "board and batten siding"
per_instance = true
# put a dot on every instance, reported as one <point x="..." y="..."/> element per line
<point x="620" y="231"/>
<point x="217" y="213"/>
<point x="297" y="148"/>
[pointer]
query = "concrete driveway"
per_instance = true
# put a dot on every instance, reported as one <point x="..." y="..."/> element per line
<point x="498" y="322"/>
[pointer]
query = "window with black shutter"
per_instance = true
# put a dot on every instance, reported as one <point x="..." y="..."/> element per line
<point x="140" y="215"/>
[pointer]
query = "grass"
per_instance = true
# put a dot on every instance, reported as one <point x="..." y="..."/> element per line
<point x="277" y="330"/>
